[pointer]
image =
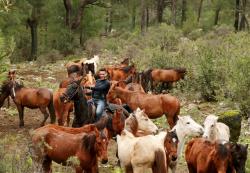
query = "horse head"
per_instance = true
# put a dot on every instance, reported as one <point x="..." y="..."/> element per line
<point x="144" y="123"/>
<point x="118" y="121"/>
<point x="12" y="75"/>
<point x="188" y="126"/>
<point x="209" y="126"/>
<point x="72" y="89"/>
<point x="101" y="145"/>
<point x="171" y="144"/>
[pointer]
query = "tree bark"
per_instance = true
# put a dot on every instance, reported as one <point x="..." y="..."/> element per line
<point x="68" y="8"/>
<point x="133" y="19"/>
<point x="237" y="15"/>
<point x="160" y="9"/>
<point x="243" y="20"/>
<point x="183" y="11"/>
<point x="217" y="13"/>
<point x="173" y="9"/>
<point x="143" y="17"/>
<point x="147" y="16"/>
<point x="199" y="11"/>
<point x="34" y="41"/>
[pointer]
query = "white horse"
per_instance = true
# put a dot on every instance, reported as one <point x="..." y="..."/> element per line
<point x="95" y="61"/>
<point x="139" y="124"/>
<point x="185" y="127"/>
<point x="137" y="154"/>
<point x="215" y="130"/>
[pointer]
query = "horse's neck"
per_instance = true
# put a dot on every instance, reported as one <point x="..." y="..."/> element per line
<point x="181" y="137"/>
<point x="133" y="126"/>
<point x="123" y="94"/>
<point x="161" y="136"/>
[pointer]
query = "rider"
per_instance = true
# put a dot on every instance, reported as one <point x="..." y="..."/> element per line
<point x="99" y="92"/>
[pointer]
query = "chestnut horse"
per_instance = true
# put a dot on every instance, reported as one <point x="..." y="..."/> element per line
<point x="62" y="110"/>
<point x="154" y="105"/>
<point x="168" y="75"/>
<point x="86" y="147"/>
<point x="32" y="98"/>
<point x="203" y="156"/>
<point x="120" y="73"/>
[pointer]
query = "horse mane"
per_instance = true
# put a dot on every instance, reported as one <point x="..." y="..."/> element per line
<point x="127" y="69"/>
<point x="177" y="69"/>
<point x="125" y="61"/>
<point x="223" y="151"/>
<point x="133" y="124"/>
<point x="129" y="79"/>
<point x="102" y="122"/>
<point x="5" y="86"/>
<point x="88" y="142"/>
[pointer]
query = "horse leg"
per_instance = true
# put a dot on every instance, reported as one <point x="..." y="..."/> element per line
<point x="45" y="114"/>
<point x="20" y="112"/>
<point x="47" y="165"/>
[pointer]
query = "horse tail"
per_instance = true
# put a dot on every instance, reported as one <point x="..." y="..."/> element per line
<point x="52" y="110"/>
<point x="160" y="162"/>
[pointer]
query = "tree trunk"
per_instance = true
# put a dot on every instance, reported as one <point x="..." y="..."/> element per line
<point x="133" y="19"/>
<point x="147" y="16"/>
<point x="183" y="11"/>
<point x="77" y="20"/>
<point x="110" y="26"/>
<point x="217" y="13"/>
<point x="173" y="9"/>
<point x="243" y="21"/>
<point x="143" y="17"/>
<point x="160" y="9"/>
<point x="199" y="11"/>
<point x="68" y="8"/>
<point x="237" y="15"/>
<point x="33" y="30"/>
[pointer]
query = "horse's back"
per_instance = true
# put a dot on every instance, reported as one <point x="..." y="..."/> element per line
<point x="223" y="131"/>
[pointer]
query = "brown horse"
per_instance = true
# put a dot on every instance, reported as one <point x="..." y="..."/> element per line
<point x="62" y="110"/>
<point x="203" y="156"/>
<point x="168" y="76"/>
<point x="86" y="147"/>
<point x="32" y="98"/>
<point x="131" y="87"/>
<point x="154" y="105"/>
<point x="120" y="73"/>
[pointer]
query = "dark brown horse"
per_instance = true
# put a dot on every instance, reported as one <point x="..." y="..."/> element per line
<point x="154" y="105"/>
<point x="32" y="98"/>
<point x="203" y="156"/>
<point x="120" y="73"/>
<point x="51" y="144"/>
<point x="239" y="155"/>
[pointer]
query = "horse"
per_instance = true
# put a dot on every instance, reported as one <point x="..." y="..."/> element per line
<point x="203" y="156"/>
<point x="82" y="114"/>
<point x="120" y="73"/>
<point x="215" y="130"/>
<point x="155" y="105"/>
<point x="32" y="98"/>
<point x="139" y="153"/>
<point x="94" y="61"/>
<point x="62" y="110"/>
<point x="185" y="127"/>
<point x="124" y="63"/>
<point x="139" y="124"/>
<point x="239" y="155"/>
<point x="75" y="67"/>
<point x="86" y="147"/>
<point x="168" y="75"/>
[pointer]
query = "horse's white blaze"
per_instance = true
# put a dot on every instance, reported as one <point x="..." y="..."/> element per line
<point x="14" y="92"/>
<point x="215" y="130"/>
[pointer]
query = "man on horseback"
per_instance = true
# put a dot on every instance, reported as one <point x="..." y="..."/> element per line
<point x="99" y="92"/>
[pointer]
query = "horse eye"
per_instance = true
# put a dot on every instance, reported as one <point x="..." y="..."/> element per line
<point x="212" y="125"/>
<point x="146" y="119"/>
<point x="188" y="122"/>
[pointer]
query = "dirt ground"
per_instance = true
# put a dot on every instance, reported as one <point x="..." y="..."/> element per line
<point x="17" y="140"/>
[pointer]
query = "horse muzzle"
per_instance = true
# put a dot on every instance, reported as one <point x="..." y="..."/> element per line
<point x="104" y="161"/>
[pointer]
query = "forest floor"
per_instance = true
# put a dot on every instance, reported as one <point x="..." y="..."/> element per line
<point x="15" y="141"/>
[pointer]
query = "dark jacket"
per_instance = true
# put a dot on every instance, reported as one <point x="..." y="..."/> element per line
<point x="101" y="89"/>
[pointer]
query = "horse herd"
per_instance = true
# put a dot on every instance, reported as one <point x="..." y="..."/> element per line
<point x="141" y="147"/>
